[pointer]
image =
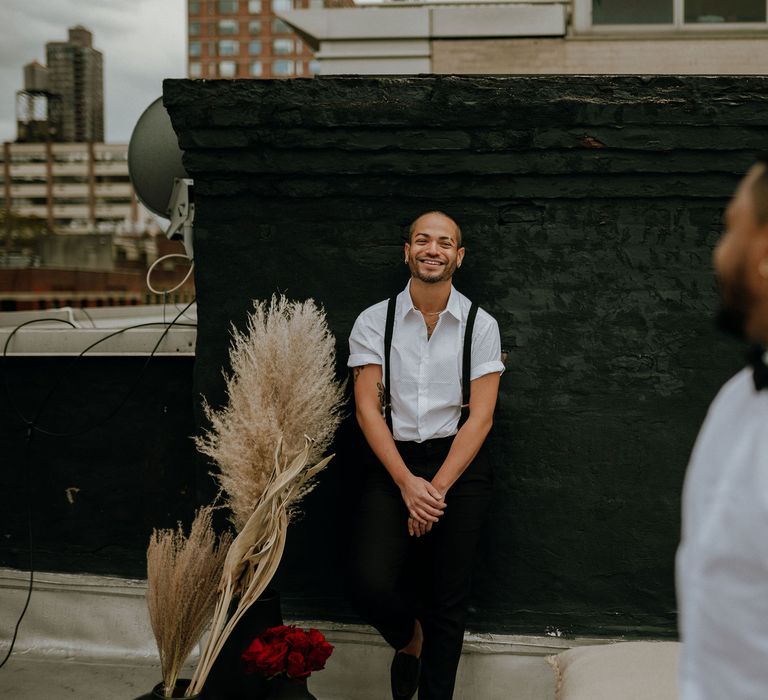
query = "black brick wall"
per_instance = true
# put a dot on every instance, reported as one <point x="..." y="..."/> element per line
<point x="121" y="469"/>
<point x="590" y="207"/>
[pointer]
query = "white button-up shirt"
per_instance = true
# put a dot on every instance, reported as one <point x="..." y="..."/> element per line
<point x="425" y="381"/>
<point x="722" y="562"/>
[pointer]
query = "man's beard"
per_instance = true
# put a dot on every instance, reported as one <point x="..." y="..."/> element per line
<point x="735" y="301"/>
<point x="445" y="273"/>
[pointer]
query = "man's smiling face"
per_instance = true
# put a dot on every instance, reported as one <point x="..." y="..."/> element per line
<point x="434" y="251"/>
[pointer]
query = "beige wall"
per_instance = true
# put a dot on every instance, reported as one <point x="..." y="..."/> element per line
<point x="603" y="55"/>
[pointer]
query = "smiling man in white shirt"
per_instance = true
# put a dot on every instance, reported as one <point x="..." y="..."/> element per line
<point x="426" y="366"/>
<point x="722" y="561"/>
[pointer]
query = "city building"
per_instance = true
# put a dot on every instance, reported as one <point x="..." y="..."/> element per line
<point x="75" y="187"/>
<point x="64" y="100"/>
<point x="246" y="39"/>
<point x="537" y="37"/>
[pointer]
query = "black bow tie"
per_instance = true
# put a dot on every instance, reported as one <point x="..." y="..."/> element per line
<point x="757" y="357"/>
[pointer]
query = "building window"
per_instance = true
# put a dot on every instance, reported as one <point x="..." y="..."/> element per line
<point x="195" y="48"/>
<point x="282" y="5"/>
<point x="254" y="48"/>
<point x="280" y="27"/>
<point x="254" y="7"/>
<point x="195" y="70"/>
<point x="227" y="69"/>
<point x="282" y="68"/>
<point x="256" y="69"/>
<point x="254" y="27"/>
<point x="282" y="47"/>
<point x="316" y="4"/>
<point x="724" y="11"/>
<point x="194" y="7"/>
<point x="194" y="28"/>
<point x="228" y="47"/>
<point x="299" y="68"/>
<point x="631" y="12"/>
<point x="228" y="7"/>
<point x="229" y="26"/>
<point x="669" y="14"/>
<point x="314" y="67"/>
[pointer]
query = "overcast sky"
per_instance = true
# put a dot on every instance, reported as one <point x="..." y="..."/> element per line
<point x="143" y="41"/>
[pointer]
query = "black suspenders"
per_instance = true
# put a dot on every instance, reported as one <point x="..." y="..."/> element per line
<point x="466" y="364"/>
<point x="466" y="361"/>
<point x="388" y="328"/>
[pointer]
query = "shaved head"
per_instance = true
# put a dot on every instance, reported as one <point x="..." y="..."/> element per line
<point x="413" y="226"/>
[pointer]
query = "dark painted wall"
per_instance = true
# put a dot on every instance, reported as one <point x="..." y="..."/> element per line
<point x="590" y="208"/>
<point x="95" y="496"/>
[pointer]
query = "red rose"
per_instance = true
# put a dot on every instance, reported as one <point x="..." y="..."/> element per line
<point x="296" y="666"/>
<point x="318" y="656"/>
<point x="267" y="659"/>
<point x="274" y="634"/>
<point x="298" y="640"/>
<point x="315" y="636"/>
<point x="252" y="653"/>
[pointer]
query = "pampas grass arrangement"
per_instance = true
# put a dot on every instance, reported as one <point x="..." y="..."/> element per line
<point x="183" y="574"/>
<point x="283" y="409"/>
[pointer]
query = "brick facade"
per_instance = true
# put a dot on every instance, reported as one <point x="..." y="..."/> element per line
<point x="681" y="55"/>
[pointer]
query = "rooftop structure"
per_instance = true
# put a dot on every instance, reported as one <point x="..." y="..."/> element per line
<point x="524" y="37"/>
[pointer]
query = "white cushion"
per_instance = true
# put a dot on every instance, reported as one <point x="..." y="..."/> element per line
<point x="622" y="671"/>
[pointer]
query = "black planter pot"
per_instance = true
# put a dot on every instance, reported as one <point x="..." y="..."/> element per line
<point x="289" y="689"/>
<point x="178" y="691"/>
<point x="227" y="679"/>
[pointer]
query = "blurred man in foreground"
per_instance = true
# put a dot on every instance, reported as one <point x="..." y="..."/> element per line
<point x="722" y="562"/>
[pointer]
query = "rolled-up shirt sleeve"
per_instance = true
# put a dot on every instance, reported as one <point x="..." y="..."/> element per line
<point x="366" y="342"/>
<point x="486" y="348"/>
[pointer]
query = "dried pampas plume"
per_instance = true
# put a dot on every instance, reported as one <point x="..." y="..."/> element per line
<point x="183" y="576"/>
<point x="282" y="390"/>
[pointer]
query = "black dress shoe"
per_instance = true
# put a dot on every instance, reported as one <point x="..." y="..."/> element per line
<point x="404" y="675"/>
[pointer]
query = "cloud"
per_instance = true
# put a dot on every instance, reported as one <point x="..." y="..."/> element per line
<point x="143" y="42"/>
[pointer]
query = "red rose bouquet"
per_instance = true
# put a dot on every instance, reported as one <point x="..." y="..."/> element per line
<point x="287" y="650"/>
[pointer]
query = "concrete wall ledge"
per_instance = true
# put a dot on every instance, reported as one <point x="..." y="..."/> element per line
<point x="79" y="330"/>
<point x="102" y="619"/>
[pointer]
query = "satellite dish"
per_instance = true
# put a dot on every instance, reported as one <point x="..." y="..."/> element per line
<point x="157" y="172"/>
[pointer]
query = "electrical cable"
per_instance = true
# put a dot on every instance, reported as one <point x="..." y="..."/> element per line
<point x="180" y="284"/>
<point x="31" y="583"/>
<point x="5" y="353"/>
<point x="32" y="423"/>
<point x="88" y="316"/>
<point x="166" y="292"/>
<point x="32" y="427"/>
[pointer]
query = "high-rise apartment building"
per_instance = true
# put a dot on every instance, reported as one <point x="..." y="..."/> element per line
<point x="75" y="77"/>
<point x="246" y="39"/>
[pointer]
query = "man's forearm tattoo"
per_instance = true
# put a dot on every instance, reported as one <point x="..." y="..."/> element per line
<point x="381" y="393"/>
<point x="356" y="373"/>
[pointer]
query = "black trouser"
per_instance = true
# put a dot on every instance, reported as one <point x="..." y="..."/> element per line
<point x="395" y="578"/>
